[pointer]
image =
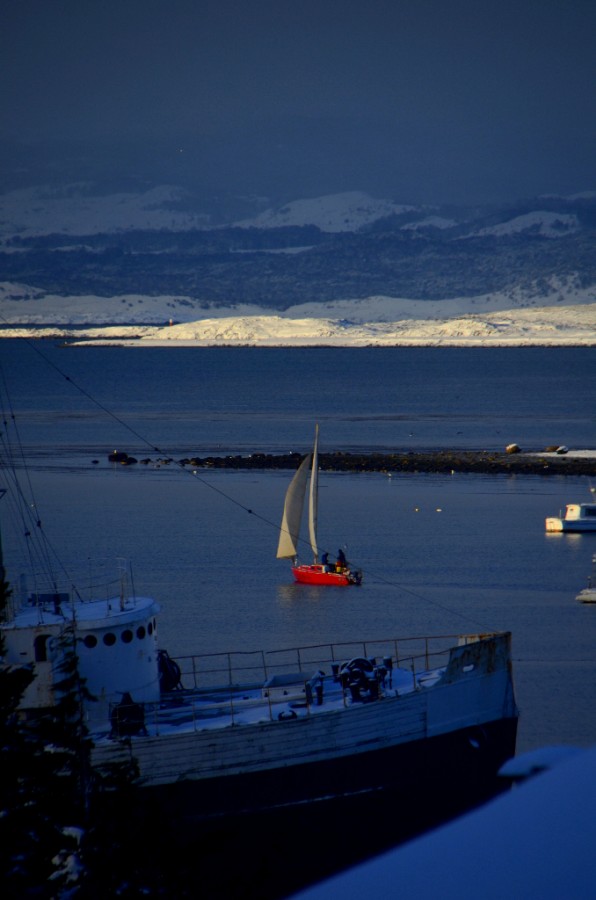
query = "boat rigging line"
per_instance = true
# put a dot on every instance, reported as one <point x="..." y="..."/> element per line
<point x="37" y="542"/>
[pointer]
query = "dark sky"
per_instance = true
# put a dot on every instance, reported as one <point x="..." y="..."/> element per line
<point x="417" y="100"/>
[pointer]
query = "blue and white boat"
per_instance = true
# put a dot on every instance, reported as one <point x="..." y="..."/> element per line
<point x="578" y="517"/>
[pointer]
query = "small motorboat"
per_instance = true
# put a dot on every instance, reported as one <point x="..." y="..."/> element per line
<point x="588" y="595"/>
<point x="578" y="517"/>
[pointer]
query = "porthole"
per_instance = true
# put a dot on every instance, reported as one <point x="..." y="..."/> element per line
<point x="90" y="641"/>
<point x="141" y="632"/>
<point x="150" y="628"/>
<point x="126" y="636"/>
<point x="109" y="639"/>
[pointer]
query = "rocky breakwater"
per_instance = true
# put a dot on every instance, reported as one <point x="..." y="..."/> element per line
<point x="444" y="461"/>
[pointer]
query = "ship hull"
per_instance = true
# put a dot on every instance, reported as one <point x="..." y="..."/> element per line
<point x="422" y="777"/>
<point x="288" y="829"/>
<point x="570" y="527"/>
<point x="316" y="574"/>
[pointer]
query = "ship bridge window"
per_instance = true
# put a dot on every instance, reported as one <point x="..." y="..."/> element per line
<point x="109" y="639"/>
<point x="40" y="647"/>
<point x="590" y="510"/>
<point x="90" y="641"/>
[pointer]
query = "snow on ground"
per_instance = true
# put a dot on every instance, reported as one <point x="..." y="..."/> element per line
<point x="77" y="209"/>
<point x="332" y="213"/>
<point x="430" y="222"/>
<point x="74" y="209"/>
<point x="393" y="309"/>
<point x="22" y="304"/>
<point x="535" y="841"/>
<point x="571" y="325"/>
<point x="567" y="316"/>
<point x="575" y="454"/>
<point x="543" y="222"/>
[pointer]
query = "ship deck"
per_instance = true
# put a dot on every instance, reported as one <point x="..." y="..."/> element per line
<point x="217" y="691"/>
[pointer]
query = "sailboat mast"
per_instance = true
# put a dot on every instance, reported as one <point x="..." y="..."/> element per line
<point x="313" y="498"/>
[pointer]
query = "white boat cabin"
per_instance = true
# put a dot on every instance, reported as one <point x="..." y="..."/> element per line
<point x="578" y="517"/>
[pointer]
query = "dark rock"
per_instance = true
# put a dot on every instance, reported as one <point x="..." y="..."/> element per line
<point x="118" y="456"/>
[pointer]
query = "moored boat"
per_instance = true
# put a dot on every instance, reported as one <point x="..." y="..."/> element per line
<point x="588" y="594"/>
<point x="332" y="725"/>
<point x="578" y="517"/>
<point x="338" y="574"/>
<point x="237" y="734"/>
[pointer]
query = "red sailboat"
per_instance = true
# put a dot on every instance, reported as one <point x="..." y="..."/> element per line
<point x="322" y="573"/>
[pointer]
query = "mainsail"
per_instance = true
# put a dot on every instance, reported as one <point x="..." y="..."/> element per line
<point x="290" y="524"/>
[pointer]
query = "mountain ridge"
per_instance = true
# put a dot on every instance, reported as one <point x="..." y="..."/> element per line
<point x="339" y="248"/>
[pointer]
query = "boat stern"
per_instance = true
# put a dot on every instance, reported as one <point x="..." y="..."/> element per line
<point x="553" y="524"/>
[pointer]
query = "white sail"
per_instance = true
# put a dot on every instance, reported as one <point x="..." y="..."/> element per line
<point x="290" y="524"/>
<point x="313" y="498"/>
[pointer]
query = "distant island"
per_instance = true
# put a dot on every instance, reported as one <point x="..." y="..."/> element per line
<point x="375" y="322"/>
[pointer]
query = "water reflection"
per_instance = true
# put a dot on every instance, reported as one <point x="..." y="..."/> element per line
<point x="309" y="593"/>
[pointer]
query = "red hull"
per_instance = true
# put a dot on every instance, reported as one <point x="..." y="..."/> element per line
<point x="317" y="575"/>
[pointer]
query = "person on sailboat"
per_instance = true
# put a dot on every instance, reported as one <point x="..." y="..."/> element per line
<point x="325" y="561"/>
<point x="341" y="562"/>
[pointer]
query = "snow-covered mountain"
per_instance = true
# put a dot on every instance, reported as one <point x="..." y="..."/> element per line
<point x="541" y="222"/>
<point x="348" y="211"/>
<point x="84" y="209"/>
<point x="75" y="255"/>
<point x="77" y="209"/>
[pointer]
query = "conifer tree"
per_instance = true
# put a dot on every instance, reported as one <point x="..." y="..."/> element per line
<point x="67" y="830"/>
<point x="44" y="764"/>
<point x="24" y="828"/>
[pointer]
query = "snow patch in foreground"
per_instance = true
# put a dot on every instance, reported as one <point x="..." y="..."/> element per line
<point x="535" y="841"/>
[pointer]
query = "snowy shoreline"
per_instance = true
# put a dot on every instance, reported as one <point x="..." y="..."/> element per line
<point x="495" y="320"/>
<point x="568" y="326"/>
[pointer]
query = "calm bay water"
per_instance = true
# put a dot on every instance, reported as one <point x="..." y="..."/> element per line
<point x="440" y="554"/>
<point x="237" y="400"/>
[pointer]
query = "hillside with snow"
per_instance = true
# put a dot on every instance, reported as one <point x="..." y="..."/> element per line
<point x="377" y="321"/>
<point x="75" y="255"/>
<point x="22" y="305"/>
<point x="349" y="211"/>
<point x="539" y="222"/>
<point x="76" y="209"/>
